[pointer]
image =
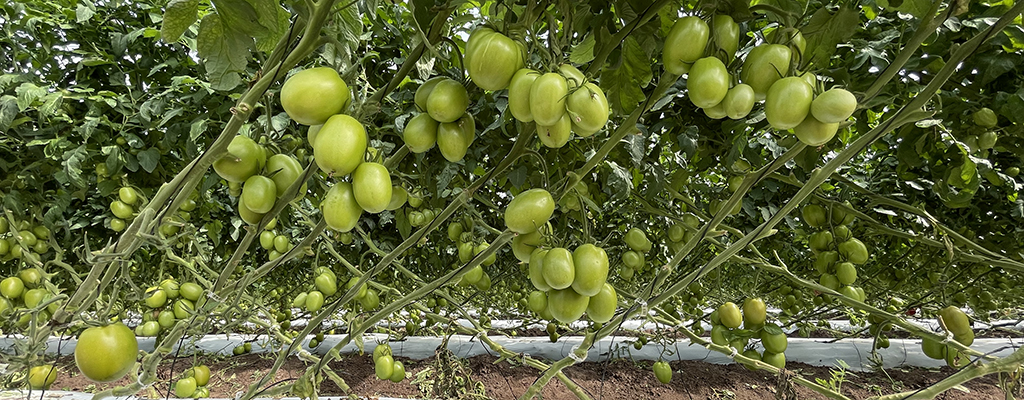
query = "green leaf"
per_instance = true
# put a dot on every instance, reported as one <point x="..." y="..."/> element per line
<point x="267" y="43"/>
<point x="149" y="159"/>
<point x="224" y="51"/>
<point x="623" y="84"/>
<point x="620" y="180"/>
<point x="240" y="16"/>
<point x="8" y="110"/>
<point x="84" y="12"/>
<point x="178" y="17"/>
<point x="402" y="221"/>
<point x="28" y="93"/>
<point x="824" y="31"/>
<point x="916" y="8"/>
<point x="583" y="52"/>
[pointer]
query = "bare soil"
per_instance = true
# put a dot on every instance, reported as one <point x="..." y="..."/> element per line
<point x="617" y="379"/>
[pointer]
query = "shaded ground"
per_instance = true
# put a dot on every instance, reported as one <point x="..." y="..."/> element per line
<point x="619" y="379"/>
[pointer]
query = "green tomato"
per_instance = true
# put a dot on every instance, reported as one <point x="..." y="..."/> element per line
<point x="492" y="60"/>
<point x="454" y="138"/>
<point x="590" y="265"/>
<point x="588" y="109"/>
<point x="764" y="65"/>
<point x="833" y="106"/>
<point x="340" y="145"/>
<point x="340" y="208"/>
<point x="708" y="82"/>
<point x="529" y="210"/>
<point x="566" y="305"/>
<point x="663" y="372"/>
<point x="787" y="102"/>
<point x="371" y="187"/>
<point x="558" y="269"/>
<point x="313" y="95"/>
<point x="685" y="44"/>
<point x="448" y="100"/>
<point x="519" y="94"/>
<point x="547" y="98"/>
<point x="106" y="353"/>
<point x="601" y="307"/>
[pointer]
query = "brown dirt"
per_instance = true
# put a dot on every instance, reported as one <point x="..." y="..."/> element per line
<point x="619" y="379"/>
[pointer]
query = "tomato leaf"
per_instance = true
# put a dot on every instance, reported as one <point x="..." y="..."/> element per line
<point x="149" y="159"/>
<point x="583" y="52"/>
<point x="224" y="51"/>
<point x="623" y="84"/>
<point x="620" y="180"/>
<point x="824" y="31"/>
<point x="178" y="17"/>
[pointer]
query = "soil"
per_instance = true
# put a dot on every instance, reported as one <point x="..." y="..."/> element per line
<point x="617" y="379"/>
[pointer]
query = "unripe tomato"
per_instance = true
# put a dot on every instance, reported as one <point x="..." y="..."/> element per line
<point x="556" y="135"/>
<point x="788" y="102"/>
<point x="267" y="240"/>
<point x="566" y="305"/>
<point x="361" y="292"/>
<point x="371" y="300"/>
<point x="40" y="377"/>
<point x="326" y="284"/>
<point x="537" y="301"/>
<point x="156" y="299"/>
<point x="815" y="133"/>
<point x="738" y="101"/>
<point x="484" y="284"/>
<point x="420" y="133"/>
<point x="633" y="259"/>
<point x="814" y="215"/>
<point x="591" y="269"/>
<point x="314" y="301"/>
<point x="529" y="210"/>
<point x="777" y="360"/>
<point x="371" y="186"/>
<point x="933" y="349"/>
<point x="313" y="95"/>
<point x="601" y="307"/>
<point x="248" y="215"/>
<point x="384" y="367"/>
<point x="708" y="82"/>
<point x="447" y="101"/>
<point x="398" y="372"/>
<point x="955" y="320"/>
<point x="128" y="195"/>
<point x="547" y="98"/>
<point x="340" y="145"/>
<point x="685" y="44"/>
<point x="284" y="170"/>
<point x="423" y="92"/>
<point x="846" y="273"/>
<point x="106" y="353"/>
<point x="854" y="251"/>
<point x="537" y="270"/>
<point x="754" y="313"/>
<point x="117" y="207"/>
<point x="820" y="241"/>
<point x="243" y="159"/>
<point x="398" y="198"/>
<point x="751" y="354"/>
<point x="523" y="245"/>
<point x="726" y="33"/>
<point x="259" y="194"/>
<point x="774" y="343"/>
<point x="834" y="105"/>
<point x="730" y="316"/>
<point x="473" y="275"/>
<point x="637" y="240"/>
<point x="663" y="372"/>
<point x="573" y="76"/>
<point x="190" y="291"/>
<point x="519" y="94"/>
<point x="718" y="335"/>
<point x="12" y="287"/>
<point x="454" y="138"/>
<point x="790" y="37"/>
<point x="558" y="268"/>
<point x="985" y="118"/>
<point x="588" y="109"/>
<point x="185" y="387"/>
<point x="340" y="209"/>
<point x="987" y="140"/>
<point x="381" y="350"/>
<point x="492" y="59"/>
<point x="764" y="65"/>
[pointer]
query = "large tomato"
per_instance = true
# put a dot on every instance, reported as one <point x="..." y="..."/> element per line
<point x="588" y="109"/>
<point x="833" y="106"/>
<point x="685" y="44"/>
<point x="371" y="186"/>
<point x="601" y="307"/>
<point x="41" y="377"/>
<point x="547" y="98"/>
<point x="524" y="244"/>
<point x="730" y="316"/>
<point x="341" y="211"/>
<point x="591" y="269"/>
<point x="754" y="313"/>
<point x="558" y="270"/>
<point x="985" y="117"/>
<point x="454" y="138"/>
<point x="312" y="96"/>
<point x="955" y="320"/>
<point x="537" y="269"/>
<point x="854" y="251"/>
<point x="12" y="287"/>
<point x="933" y="349"/>
<point x="519" y="94"/>
<point x="662" y="371"/>
<point x="492" y="59"/>
<point x="423" y="92"/>
<point x="573" y="76"/>
<point x="774" y="343"/>
<point x="259" y="193"/>
<point x="247" y="215"/>
<point x="726" y="34"/>
<point x="708" y="82"/>
<point x="777" y="360"/>
<point x="815" y="133"/>
<point x="529" y="210"/>
<point x="244" y="159"/>
<point x="739" y="101"/>
<point x="447" y="101"/>
<point x="340" y="145"/>
<point x="106" y="353"/>
<point x="764" y="65"/>
<point x="788" y="102"/>
<point x="284" y="170"/>
<point x="421" y="133"/>
<point x="557" y="134"/>
<point x="566" y="305"/>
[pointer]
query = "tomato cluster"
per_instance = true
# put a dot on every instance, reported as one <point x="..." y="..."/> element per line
<point x="22" y="239"/>
<point x="837" y="251"/>
<point x="193" y="384"/>
<point x="725" y="331"/>
<point x="560" y="103"/>
<point x="23" y="292"/>
<point x="956" y="323"/>
<point x="385" y="366"/>
<point x="168" y="303"/>
<point x="444" y="121"/>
